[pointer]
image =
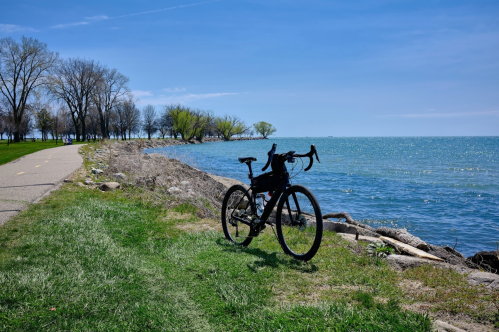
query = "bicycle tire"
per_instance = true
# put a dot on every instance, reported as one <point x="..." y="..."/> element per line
<point x="299" y="236"/>
<point x="237" y="200"/>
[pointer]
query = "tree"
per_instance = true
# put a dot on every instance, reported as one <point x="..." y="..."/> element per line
<point x="264" y="128"/>
<point x="110" y="89"/>
<point x="43" y="122"/>
<point x="150" y="121"/>
<point x="132" y="117"/>
<point x="23" y="69"/>
<point x="168" y="118"/>
<point x="202" y="120"/>
<point x="165" y="122"/>
<point x="229" y="126"/>
<point x="3" y="122"/>
<point x="74" y="82"/>
<point x="58" y="115"/>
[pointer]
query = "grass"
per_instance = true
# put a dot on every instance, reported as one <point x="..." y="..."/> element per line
<point x="14" y="151"/>
<point x="451" y="293"/>
<point x="83" y="260"/>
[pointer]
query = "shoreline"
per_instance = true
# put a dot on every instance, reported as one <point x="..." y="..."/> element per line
<point x="159" y="182"/>
<point x="350" y="229"/>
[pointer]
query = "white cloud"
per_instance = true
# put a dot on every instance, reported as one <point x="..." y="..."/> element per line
<point x="97" y="18"/>
<point x="165" y="9"/>
<point x="180" y="99"/>
<point x="141" y="93"/>
<point x="61" y="26"/>
<point x="174" y="89"/>
<point x="10" y="28"/>
<point x="440" y="115"/>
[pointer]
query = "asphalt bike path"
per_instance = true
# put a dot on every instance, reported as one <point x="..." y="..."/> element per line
<point x="29" y="178"/>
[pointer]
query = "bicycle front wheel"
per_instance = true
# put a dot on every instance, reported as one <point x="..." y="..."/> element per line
<point x="237" y="213"/>
<point x="299" y="223"/>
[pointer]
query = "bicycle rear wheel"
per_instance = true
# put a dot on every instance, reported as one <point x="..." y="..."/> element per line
<point x="236" y="207"/>
<point x="299" y="223"/>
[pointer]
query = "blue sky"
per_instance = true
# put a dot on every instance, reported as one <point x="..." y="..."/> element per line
<point x="311" y="68"/>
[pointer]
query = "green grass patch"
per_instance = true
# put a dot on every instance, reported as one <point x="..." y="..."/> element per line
<point x="451" y="293"/>
<point x="14" y="151"/>
<point x="87" y="261"/>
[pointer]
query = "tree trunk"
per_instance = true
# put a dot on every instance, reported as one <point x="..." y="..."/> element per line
<point x="398" y="234"/>
<point x="17" y="136"/>
<point x="403" y="236"/>
<point x="348" y="219"/>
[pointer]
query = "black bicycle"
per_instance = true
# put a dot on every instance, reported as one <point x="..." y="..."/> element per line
<point x="297" y="217"/>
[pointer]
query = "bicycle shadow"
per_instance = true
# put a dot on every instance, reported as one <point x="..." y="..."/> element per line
<point x="268" y="259"/>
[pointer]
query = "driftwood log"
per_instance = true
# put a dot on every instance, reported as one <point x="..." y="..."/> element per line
<point x="403" y="236"/>
<point x="349" y="220"/>
<point x="398" y="234"/>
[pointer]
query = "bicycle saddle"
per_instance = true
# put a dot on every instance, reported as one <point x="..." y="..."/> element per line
<point x="246" y="159"/>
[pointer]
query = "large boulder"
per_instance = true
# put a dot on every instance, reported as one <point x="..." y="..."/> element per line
<point x="486" y="279"/>
<point x="487" y="260"/>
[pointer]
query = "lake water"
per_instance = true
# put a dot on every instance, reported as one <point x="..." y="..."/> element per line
<point x="441" y="189"/>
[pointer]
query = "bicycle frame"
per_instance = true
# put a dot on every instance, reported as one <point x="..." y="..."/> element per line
<point x="281" y="188"/>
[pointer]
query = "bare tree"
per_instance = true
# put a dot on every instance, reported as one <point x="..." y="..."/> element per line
<point x="58" y="115"/>
<point x="93" y="124"/>
<point x="23" y="69"/>
<point x="26" y="124"/>
<point x="74" y="82"/>
<point x="111" y="88"/>
<point x="3" y="121"/>
<point x="150" y="121"/>
<point x="132" y="117"/>
<point x="120" y="124"/>
<point x="165" y="122"/>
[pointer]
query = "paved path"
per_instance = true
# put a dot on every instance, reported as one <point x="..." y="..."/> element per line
<point x="28" y="178"/>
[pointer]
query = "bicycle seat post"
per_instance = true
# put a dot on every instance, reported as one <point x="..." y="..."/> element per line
<point x="247" y="161"/>
<point x="250" y="176"/>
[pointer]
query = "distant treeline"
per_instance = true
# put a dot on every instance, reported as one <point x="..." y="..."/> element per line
<point x="85" y="99"/>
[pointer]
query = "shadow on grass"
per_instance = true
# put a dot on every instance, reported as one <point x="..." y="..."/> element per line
<point x="272" y="259"/>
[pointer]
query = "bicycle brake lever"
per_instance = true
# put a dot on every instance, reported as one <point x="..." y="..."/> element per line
<point x="271" y="156"/>
<point x="310" y="155"/>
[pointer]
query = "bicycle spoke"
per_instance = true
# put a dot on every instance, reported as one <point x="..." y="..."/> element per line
<point x="236" y="216"/>
<point x="297" y="226"/>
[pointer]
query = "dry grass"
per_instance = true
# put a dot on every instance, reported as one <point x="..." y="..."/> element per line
<point x="157" y="179"/>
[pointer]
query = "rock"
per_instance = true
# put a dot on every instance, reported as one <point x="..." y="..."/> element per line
<point x="116" y="155"/>
<point x="147" y="156"/>
<point x="185" y="183"/>
<point x="448" y="254"/>
<point x="97" y="171"/>
<point x="191" y="192"/>
<point x="368" y="239"/>
<point x="341" y="227"/>
<point x="109" y="186"/>
<point x="89" y="182"/>
<point x="441" y="326"/>
<point x="405" y="262"/>
<point x="148" y="181"/>
<point x="174" y="190"/>
<point x="119" y="176"/>
<point x="79" y="184"/>
<point x="487" y="260"/>
<point x="486" y="279"/>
